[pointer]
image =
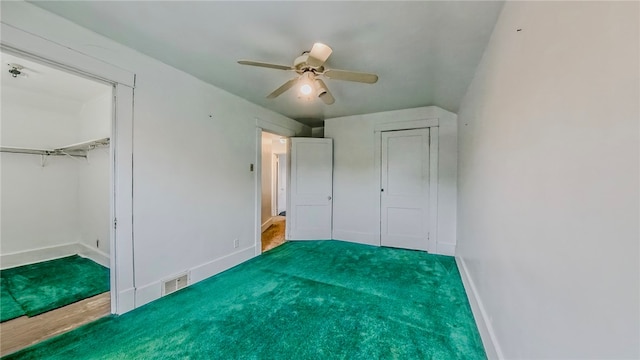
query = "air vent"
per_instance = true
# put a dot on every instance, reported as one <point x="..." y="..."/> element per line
<point x="175" y="284"/>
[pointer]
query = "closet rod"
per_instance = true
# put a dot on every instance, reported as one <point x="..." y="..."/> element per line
<point x="16" y="150"/>
<point x="78" y="150"/>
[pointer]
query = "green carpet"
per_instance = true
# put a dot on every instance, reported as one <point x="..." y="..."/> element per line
<point x="302" y="300"/>
<point x="48" y="285"/>
<point x="9" y="307"/>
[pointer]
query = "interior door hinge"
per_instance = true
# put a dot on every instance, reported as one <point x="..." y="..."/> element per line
<point x="115" y="223"/>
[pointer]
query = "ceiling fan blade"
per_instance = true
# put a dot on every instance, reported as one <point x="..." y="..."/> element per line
<point x="351" y="76"/>
<point x="319" y="54"/>
<point x="286" y="86"/>
<point x="266" y="65"/>
<point x="323" y="92"/>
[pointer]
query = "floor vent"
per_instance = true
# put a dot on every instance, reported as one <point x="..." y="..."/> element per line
<point x="175" y="284"/>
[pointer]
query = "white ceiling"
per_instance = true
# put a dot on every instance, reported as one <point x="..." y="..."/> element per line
<point x="43" y="79"/>
<point x="425" y="53"/>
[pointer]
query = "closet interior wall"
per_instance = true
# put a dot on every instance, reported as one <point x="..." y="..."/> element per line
<point x="52" y="206"/>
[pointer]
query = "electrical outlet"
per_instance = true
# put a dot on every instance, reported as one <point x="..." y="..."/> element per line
<point x="236" y="243"/>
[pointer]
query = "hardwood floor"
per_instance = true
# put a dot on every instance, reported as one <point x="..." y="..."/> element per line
<point x="24" y="331"/>
<point x="274" y="235"/>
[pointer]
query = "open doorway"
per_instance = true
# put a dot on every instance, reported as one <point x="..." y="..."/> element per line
<point x="56" y="158"/>
<point x="274" y="190"/>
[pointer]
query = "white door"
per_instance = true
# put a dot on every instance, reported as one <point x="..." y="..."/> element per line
<point x="282" y="183"/>
<point x="311" y="189"/>
<point x="404" y="193"/>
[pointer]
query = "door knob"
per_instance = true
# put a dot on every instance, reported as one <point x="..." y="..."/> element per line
<point x="329" y="197"/>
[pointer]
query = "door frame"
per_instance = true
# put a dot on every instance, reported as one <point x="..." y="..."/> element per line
<point x="263" y="125"/>
<point x="39" y="49"/>
<point x="282" y="162"/>
<point x="432" y="124"/>
<point x="274" y="184"/>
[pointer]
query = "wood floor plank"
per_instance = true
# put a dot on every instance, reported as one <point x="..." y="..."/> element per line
<point x="274" y="235"/>
<point x="24" y="331"/>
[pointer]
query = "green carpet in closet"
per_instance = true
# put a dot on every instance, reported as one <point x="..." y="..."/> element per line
<point x="302" y="300"/>
<point x="9" y="307"/>
<point x="48" y="285"/>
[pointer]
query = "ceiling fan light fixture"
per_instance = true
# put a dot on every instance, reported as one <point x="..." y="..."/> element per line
<point x="306" y="84"/>
<point x="310" y="68"/>
<point x="306" y="89"/>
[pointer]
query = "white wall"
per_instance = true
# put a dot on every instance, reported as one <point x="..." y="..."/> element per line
<point x="67" y="200"/>
<point x="193" y="143"/>
<point x="39" y="204"/>
<point x="356" y="192"/>
<point x="317" y="132"/>
<point x="548" y="181"/>
<point x="94" y="185"/>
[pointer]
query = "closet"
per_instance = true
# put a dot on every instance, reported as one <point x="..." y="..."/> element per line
<point x="56" y="165"/>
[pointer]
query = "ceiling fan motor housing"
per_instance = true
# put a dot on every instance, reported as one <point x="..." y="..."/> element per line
<point x="301" y="65"/>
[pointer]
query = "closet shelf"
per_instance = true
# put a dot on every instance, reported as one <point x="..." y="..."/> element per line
<point x="79" y="149"/>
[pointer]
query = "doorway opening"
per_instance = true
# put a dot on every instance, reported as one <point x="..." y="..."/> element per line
<point x="273" y="190"/>
<point x="56" y="156"/>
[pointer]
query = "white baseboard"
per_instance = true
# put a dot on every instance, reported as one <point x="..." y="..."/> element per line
<point x="356" y="237"/>
<point x="33" y="256"/>
<point x="266" y="224"/>
<point x="489" y="340"/>
<point x="153" y="291"/>
<point x="125" y="302"/>
<point x="446" y="249"/>
<point x="147" y="293"/>
<point x="219" y="265"/>
<point x="94" y="254"/>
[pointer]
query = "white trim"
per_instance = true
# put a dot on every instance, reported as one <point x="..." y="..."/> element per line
<point x="489" y="339"/>
<point x="266" y="224"/>
<point x="268" y="126"/>
<point x="153" y="291"/>
<point x="122" y="245"/>
<point x="432" y="124"/>
<point x="446" y="249"/>
<point x="126" y="300"/>
<point x="26" y="44"/>
<point x="406" y="125"/>
<point x="263" y="125"/>
<point x="356" y="237"/>
<point x="32" y="256"/>
<point x="148" y="293"/>
<point x="96" y="255"/>
<point x="433" y="190"/>
<point x="274" y="184"/>
<point x="257" y="170"/>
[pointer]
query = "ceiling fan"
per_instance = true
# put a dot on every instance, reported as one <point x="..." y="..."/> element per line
<point x="310" y="66"/>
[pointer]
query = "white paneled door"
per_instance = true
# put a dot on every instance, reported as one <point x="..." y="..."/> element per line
<point x="311" y="189"/>
<point x="404" y="193"/>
